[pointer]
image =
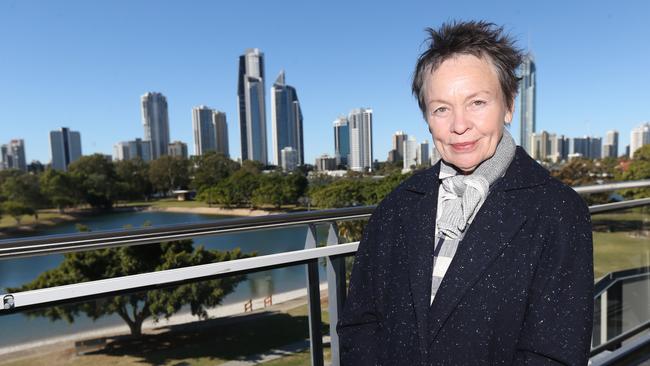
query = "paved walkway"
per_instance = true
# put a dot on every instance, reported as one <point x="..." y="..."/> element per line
<point x="273" y="354"/>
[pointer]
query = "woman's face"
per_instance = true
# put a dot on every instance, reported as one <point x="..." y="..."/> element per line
<point x="466" y="110"/>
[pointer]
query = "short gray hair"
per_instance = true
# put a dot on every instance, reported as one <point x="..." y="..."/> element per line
<point x="478" y="38"/>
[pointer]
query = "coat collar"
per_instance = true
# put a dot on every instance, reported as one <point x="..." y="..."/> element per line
<point x="495" y="224"/>
<point x="522" y="173"/>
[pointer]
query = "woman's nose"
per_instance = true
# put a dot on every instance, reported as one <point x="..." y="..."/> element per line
<point x="459" y="123"/>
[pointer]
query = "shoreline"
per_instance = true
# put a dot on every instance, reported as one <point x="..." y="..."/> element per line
<point x="294" y="297"/>
<point x="72" y="215"/>
<point x="219" y="211"/>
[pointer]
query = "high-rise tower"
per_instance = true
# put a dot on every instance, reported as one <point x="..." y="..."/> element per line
<point x="360" y="124"/>
<point x="398" y="144"/>
<point x="527" y="93"/>
<point x="610" y="148"/>
<point x="341" y="141"/>
<point x="205" y="136"/>
<point x="65" y="146"/>
<point x="286" y="119"/>
<point x="155" y="119"/>
<point x="221" y="128"/>
<point x="12" y="155"/>
<point x="252" y="112"/>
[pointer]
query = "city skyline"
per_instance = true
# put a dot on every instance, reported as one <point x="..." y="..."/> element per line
<point x="74" y="54"/>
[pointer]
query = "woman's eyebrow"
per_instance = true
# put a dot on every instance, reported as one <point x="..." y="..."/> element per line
<point x="473" y="95"/>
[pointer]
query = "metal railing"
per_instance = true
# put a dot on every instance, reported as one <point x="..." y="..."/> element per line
<point x="334" y="252"/>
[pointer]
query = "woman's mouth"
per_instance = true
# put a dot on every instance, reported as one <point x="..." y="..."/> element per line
<point x="464" y="146"/>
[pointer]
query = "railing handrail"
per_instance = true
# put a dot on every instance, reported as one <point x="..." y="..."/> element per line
<point x="53" y="244"/>
<point x="137" y="282"/>
<point x="611" y="278"/>
<point x="608" y="187"/>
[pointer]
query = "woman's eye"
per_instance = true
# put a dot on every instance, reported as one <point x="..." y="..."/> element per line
<point x="440" y="110"/>
<point x="478" y="103"/>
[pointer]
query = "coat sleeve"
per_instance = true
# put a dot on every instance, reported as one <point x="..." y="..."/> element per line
<point x="359" y="323"/>
<point x="559" y="315"/>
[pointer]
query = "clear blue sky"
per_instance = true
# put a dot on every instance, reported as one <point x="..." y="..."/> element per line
<point x="85" y="64"/>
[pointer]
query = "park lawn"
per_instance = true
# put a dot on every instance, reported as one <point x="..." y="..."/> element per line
<point x="619" y="250"/>
<point x="621" y="241"/>
<point x="196" y="346"/>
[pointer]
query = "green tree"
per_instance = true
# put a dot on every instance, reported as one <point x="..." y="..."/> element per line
<point x="168" y="173"/>
<point x="95" y="179"/>
<point x="133" y="178"/>
<point x="376" y="192"/>
<point x="639" y="168"/>
<point x="576" y="172"/>
<point x="294" y="187"/>
<point x="211" y="168"/>
<point x="235" y="190"/>
<point x="135" y="308"/>
<point x="341" y="193"/>
<point x="24" y="188"/>
<point x="252" y="166"/>
<point x="270" y="191"/>
<point x="57" y="187"/>
<point x="17" y="210"/>
<point x="9" y="173"/>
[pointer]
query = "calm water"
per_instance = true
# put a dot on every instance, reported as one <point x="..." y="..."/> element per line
<point x="16" y="272"/>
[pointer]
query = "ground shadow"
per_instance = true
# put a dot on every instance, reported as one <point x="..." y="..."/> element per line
<point x="227" y="338"/>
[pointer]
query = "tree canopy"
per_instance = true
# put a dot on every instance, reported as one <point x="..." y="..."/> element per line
<point x="168" y="173"/>
<point x="638" y="169"/>
<point x="135" y="308"/>
<point x="95" y="178"/>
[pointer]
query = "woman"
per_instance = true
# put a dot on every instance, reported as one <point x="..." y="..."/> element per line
<point x="483" y="258"/>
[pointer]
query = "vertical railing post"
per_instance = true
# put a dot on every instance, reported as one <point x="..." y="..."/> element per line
<point x="603" y="317"/>
<point x="313" y="301"/>
<point x="336" y="289"/>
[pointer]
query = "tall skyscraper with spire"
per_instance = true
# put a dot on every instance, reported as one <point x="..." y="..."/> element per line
<point x="527" y="92"/>
<point x="286" y="120"/>
<point x="252" y="109"/>
<point x="155" y="120"/>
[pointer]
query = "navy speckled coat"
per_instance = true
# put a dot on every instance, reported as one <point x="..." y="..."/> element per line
<point x="518" y="291"/>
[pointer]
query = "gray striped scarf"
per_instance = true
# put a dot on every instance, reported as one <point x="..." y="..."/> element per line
<point x="467" y="192"/>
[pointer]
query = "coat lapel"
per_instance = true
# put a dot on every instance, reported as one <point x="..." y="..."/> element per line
<point x="488" y="235"/>
<point x="494" y="226"/>
<point x="419" y="227"/>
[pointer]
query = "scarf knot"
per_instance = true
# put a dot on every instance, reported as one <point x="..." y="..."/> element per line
<point x="462" y="195"/>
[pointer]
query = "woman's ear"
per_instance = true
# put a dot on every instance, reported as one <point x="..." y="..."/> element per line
<point x="510" y="113"/>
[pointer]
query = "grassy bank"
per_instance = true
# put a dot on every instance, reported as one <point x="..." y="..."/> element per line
<point x="51" y="217"/>
<point x="621" y="240"/>
<point x="46" y="218"/>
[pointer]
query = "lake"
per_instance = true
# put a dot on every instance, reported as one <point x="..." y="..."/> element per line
<point x="18" y="328"/>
